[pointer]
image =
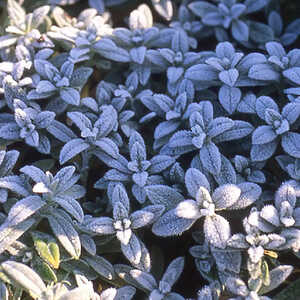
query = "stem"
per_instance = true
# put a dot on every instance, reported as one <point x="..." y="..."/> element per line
<point x="85" y="158"/>
<point x="17" y="294"/>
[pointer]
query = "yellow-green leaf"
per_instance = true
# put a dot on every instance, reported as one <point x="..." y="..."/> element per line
<point x="48" y="252"/>
<point x="265" y="273"/>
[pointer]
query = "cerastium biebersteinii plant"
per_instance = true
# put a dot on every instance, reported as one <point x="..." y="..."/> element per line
<point x="149" y="149"/>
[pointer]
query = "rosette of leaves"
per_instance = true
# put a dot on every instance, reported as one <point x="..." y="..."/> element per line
<point x="205" y="203"/>
<point x="59" y="190"/>
<point x="56" y="191"/>
<point x="285" y="212"/>
<point x="256" y="288"/>
<point x="68" y="28"/>
<point x="130" y="45"/>
<point x="175" y="176"/>
<point x="24" y="278"/>
<point x="98" y="138"/>
<point x="65" y="83"/>
<point x="248" y="170"/>
<point x="12" y="90"/>
<point x="257" y="243"/>
<point x="188" y="22"/>
<point x="28" y="123"/>
<point x="22" y="215"/>
<point x="120" y="97"/>
<point x="8" y="160"/>
<point x="282" y="217"/>
<point x="173" y="112"/>
<point x="278" y="64"/>
<point x="228" y="14"/>
<point x="123" y="224"/>
<point x="265" y="138"/>
<point x="13" y="72"/>
<point x="286" y="36"/>
<point x="204" y="134"/>
<point x="139" y="171"/>
<point x="163" y="289"/>
<point x="204" y="260"/>
<point x="81" y="33"/>
<point x="23" y="28"/>
<point x="215" y="263"/>
<point x="228" y="69"/>
<point x="176" y="60"/>
<point x="25" y="62"/>
<point x="96" y="28"/>
<point x="290" y="165"/>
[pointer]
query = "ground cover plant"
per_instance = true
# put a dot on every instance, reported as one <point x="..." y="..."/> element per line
<point x="149" y="150"/>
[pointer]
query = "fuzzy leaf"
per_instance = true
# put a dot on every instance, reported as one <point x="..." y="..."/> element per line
<point x="217" y="231"/>
<point x="211" y="158"/>
<point x="132" y="250"/>
<point x="263" y="72"/>
<point x="164" y="8"/>
<point x="240" y="30"/>
<point x="108" y="49"/>
<point x="293" y="74"/>
<point x="80" y="76"/>
<point x="170" y="224"/>
<point x="141" y="218"/>
<point x="229" y="77"/>
<point x="173" y="271"/>
<point x="201" y="72"/>
<point x="226" y="196"/>
<point x="80" y="120"/>
<point x="188" y="209"/>
<point x="10" y="131"/>
<point x="263" y="152"/>
<point x="102" y="225"/>
<point x="23" y="209"/>
<point x="71" y="149"/>
<point x="108" y="146"/>
<point x="8" y="234"/>
<point x="194" y="179"/>
<point x="146" y="280"/>
<point x="277" y="277"/>
<point x="239" y="130"/>
<point x="70" y="96"/>
<point x="61" y="131"/>
<point x="66" y="234"/>
<point x="250" y="192"/>
<point x="120" y="195"/>
<point x="263" y="134"/>
<point x="15" y="184"/>
<point x="25" y="277"/>
<point x="229" y="98"/>
<point x="101" y="266"/>
<point x="71" y="206"/>
<point x="291" y="144"/>
<point x="159" y="163"/>
<point x="163" y="194"/>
